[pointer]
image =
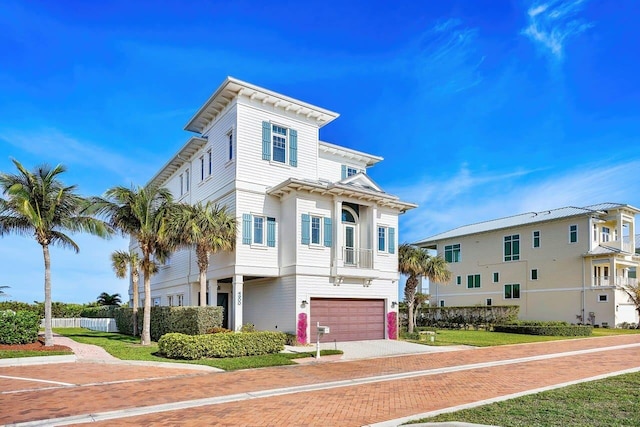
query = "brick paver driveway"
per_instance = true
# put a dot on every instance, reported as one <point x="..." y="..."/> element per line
<point x="340" y="393"/>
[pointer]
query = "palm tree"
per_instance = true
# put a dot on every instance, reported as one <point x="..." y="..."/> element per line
<point x="142" y="213"/>
<point x="123" y="261"/>
<point x="416" y="262"/>
<point x="108" y="299"/>
<point x="633" y="292"/>
<point x="207" y="227"/>
<point x="3" y="294"/>
<point x="38" y="204"/>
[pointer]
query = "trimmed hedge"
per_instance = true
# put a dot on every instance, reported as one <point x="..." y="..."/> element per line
<point x="18" y="327"/>
<point x="463" y="317"/>
<point x="186" y="320"/>
<point x="99" y="312"/>
<point x="181" y="346"/>
<point x="559" y="329"/>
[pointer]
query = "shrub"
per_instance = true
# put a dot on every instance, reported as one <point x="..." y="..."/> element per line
<point x="186" y="320"/>
<point x="563" y="329"/>
<point x="291" y="339"/>
<point x="463" y="317"/>
<point x="99" y="312"/>
<point x="58" y="309"/>
<point x="248" y="327"/>
<point x="218" y="330"/>
<point x="181" y="346"/>
<point x="18" y="327"/>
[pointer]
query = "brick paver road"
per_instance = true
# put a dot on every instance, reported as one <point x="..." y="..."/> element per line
<point x="370" y="393"/>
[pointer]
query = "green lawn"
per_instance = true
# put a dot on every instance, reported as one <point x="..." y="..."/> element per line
<point x="126" y="347"/>
<point x="486" y="338"/>
<point x="10" y="354"/>
<point x="613" y="401"/>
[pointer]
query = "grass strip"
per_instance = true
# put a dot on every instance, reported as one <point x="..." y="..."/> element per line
<point x="126" y="347"/>
<point x="613" y="401"/>
<point x="12" y="354"/>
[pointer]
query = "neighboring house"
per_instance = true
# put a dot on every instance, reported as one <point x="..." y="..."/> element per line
<point x="564" y="264"/>
<point x="317" y="237"/>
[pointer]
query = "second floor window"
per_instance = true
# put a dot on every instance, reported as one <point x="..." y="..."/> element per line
<point x="202" y="168"/>
<point x="512" y="247"/>
<point x="536" y="239"/>
<point x="573" y="233"/>
<point x="316" y="230"/>
<point x="473" y="281"/>
<point x="209" y="162"/>
<point x="452" y="253"/>
<point x="230" y="144"/>
<point x="511" y="291"/>
<point x="279" y="141"/>
<point x="606" y="234"/>
<point x="258" y="230"/>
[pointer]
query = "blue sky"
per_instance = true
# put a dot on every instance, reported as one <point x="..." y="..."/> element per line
<point x="481" y="109"/>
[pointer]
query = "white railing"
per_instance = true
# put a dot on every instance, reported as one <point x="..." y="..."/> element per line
<point x="100" y="324"/>
<point x="358" y="258"/>
<point x="613" y="281"/>
<point x="73" y="322"/>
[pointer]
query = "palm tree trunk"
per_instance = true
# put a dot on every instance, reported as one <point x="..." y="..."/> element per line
<point x="409" y="296"/>
<point x="48" y="332"/>
<point x="136" y="302"/>
<point x="203" y="288"/>
<point x="146" y="321"/>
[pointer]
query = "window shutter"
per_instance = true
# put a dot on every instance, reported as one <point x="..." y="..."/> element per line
<point x="344" y="171"/>
<point x="271" y="232"/>
<point x="266" y="141"/>
<point x="293" y="147"/>
<point x="328" y="233"/>
<point x="392" y="240"/>
<point x="246" y="229"/>
<point x="306" y="224"/>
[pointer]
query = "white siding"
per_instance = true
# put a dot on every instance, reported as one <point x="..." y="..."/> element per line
<point x="270" y="304"/>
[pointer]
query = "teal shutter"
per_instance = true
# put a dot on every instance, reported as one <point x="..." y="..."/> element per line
<point x="271" y="232"/>
<point x="306" y="225"/>
<point x="293" y="147"/>
<point x="246" y="229"/>
<point x="266" y="141"/>
<point x="392" y="240"/>
<point x="328" y="233"/>
<point x="344" y="171"/>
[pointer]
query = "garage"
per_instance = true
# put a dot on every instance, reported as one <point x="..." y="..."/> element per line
<point x="349" y="319"/>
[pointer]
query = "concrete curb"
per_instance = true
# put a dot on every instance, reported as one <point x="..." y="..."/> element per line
<point x="172" y="365"/>
<point x="38" y="360"/>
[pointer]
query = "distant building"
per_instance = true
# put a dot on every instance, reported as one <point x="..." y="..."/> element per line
<point x="317" y="237"/>
<point x="563" y="264"/>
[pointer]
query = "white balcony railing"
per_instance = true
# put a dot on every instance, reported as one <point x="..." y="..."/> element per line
<point x="358" y="258"/>
<point x="613" y="281"/>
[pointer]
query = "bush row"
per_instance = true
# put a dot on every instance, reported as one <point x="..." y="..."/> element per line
<point x="99" y="312"/>
<point x="562" y="329"/>
<point x="58" y="309"/>
<point x="185" y="320"/>
<point x="19" y="327"/>
<point x="181" y="346"/>
<point x="463" y="317"/>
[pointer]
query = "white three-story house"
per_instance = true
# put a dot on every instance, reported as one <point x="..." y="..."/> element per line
<point x="317" y="239"/>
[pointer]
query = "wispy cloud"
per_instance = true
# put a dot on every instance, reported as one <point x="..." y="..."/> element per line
<point x="50" y="143"/>
<point x="553" y="22"/>
<point x="471" y="197"/>
<point x="448" y="61"/>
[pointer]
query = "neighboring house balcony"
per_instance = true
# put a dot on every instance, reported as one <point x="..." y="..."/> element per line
<point x="603" y="281"/>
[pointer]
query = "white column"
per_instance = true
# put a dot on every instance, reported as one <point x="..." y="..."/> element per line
<point x="212" y="288"/>
<point x="237" y="301"/>
<point x="337" y="234"/>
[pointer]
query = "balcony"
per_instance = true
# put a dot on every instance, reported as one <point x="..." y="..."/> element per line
<point x="357" y="258"/>
<point x="602" y="281"/>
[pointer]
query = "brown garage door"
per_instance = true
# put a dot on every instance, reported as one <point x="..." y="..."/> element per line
<point x="349" y="319"/>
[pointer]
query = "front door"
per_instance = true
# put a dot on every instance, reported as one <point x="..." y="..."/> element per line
<point x="223" y="301"/>
<point x="349" y="244"/>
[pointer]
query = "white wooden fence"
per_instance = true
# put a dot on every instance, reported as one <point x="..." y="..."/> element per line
<point x="100" y="324"/>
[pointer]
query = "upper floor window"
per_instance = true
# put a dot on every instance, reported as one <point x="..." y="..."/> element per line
<point x="348" y="171"/>
<point x="534" y="274"/>
<point x="595" y="233"/>
<point x="316" y="230"/>
<point x="536" y="239"/>
<point x="512" y="247"/>
<point x="473" y="281"/>
<point x="258" y="230"/>
<point x="512" y="291"/>
<point x="496" y="277"/>
<point x="279" y="144"/>
<point x="187" y="184"/>
<point x="458" y="280"/>
<point x="230" y="145"/>
<point x="573" y="233"/>
<point x="209" y="162"/>
<point x="181" y="184"/>
<point x="201" y="168"/>
<point x="452" y="253"/>
<point x="386" y="239"/>
<point x="606" y="234"/>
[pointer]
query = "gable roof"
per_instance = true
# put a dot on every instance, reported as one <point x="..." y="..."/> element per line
<point x="362" y="181"/>
<point x="232" y="88"/>
<point x="525" y="219"/>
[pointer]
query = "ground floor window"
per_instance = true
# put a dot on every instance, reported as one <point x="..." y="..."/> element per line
<point x="180" y="300"/>
<point x="603" y="298"/>
<point x="489" y="302"/>
<point x="441" y="303"/>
